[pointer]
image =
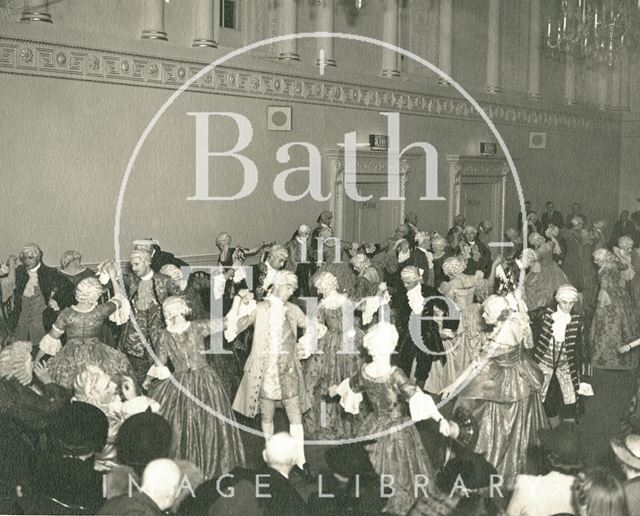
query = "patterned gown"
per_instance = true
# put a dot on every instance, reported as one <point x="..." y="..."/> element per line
<point x="208" y="436"/>
<point x="505" y="398"/>
<point x="399" y="452"/>
<point x="614" y="323"/>
<point x="326" y="420"/>
<point x="543" y="279"/>
<point x="83" y="347"/>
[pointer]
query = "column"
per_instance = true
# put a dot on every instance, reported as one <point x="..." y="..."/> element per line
<point x="324" y="10"/>
<point x="36" y="10"/>
<point x="445" y="38"/>
<point x="625" y="79"/>
<point x="616" y="85"/>
<point x="154" y="20"/>
<point x="288" y="23"/>
<point x="390" y="58"/>
<point x="493" y="48"/>
<point x="206" y="23"/>
<point x="533" y="83"/>
<point x="570" y="81"/>
<point x="603" y="88"/>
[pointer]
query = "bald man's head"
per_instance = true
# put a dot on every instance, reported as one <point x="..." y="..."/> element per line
<point x="281" y="451"/>
<point x="160" y="481"/>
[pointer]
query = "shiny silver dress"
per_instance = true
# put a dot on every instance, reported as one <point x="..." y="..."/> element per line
<point x="505" y="397"/>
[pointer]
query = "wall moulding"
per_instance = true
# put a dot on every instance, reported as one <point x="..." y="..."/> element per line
<point x="64" y="61"/>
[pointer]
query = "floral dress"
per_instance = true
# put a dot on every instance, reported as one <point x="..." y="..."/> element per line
<point x="204" y="426"/>
<point x="614" y="323"/>
<point x="329" y="366"/>
<point x="83" y="347"/>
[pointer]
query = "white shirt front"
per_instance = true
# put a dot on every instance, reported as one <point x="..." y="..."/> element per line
<point x="416" y="301"/>
<point x="542" y="495"/>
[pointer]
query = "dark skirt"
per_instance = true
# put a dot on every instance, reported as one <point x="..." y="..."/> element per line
<point x="201" y="436"/>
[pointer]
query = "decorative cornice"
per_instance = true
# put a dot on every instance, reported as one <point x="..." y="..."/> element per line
<point x="57" y="60"/>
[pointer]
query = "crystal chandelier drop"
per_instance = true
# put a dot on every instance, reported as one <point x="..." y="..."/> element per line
<point x="593" y="31"/>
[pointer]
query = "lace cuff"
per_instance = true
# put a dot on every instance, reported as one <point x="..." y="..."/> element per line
<point x="349" y="400"/>
<point x="122" y="313"/>
<point x="50" y="345"/>
<point x="159" y="372"/>
<point x="234" y="315"/>
<point x="307" y="343"/>
<point x="219" y="283"/>
<point x="422" y="406"/>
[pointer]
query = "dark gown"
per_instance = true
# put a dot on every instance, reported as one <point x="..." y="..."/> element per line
<point x="83" y="347"/>
<point x="208" y="436"/>
<point x="399" y="452"/>
<point x="326" y="420"/>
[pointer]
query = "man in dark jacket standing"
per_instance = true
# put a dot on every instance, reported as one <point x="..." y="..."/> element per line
<point x="40" y="293"/>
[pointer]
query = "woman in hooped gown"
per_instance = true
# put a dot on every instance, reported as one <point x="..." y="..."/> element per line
<point x="209" y="440"/>
<point x="503" y="391"/>
<point x="465" y="346"/>
<point x="82" y="323"/>
<point x="397" y="449"/>
<point x="543" y="279"/>
<point x="333" y="362"/>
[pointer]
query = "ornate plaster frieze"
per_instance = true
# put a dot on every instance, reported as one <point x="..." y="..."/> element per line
<point x="55" y="60"/>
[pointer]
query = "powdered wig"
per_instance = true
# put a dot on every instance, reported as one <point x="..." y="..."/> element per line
<point x="454" y="265"/>
<point x="92" y="385"/>
<point x="16" y="362"/>
<point x="172" y="271"/>
<point x="89" y="291"/>
<point x="410" y="273"/>
<point x="604" y="256"/>
<point x="438" y="241"/>
<point x="567" y="293"/>
<point x="141" y="254"/>
<point x="381" y="333"/>
<point x="576" y="221"/>
<point x="422" y="236"/>
<point x="174" y="306"/>
<point x="279" y="252"/>
<point x="496" y="307"/>
<point x="68" y="257"/>
<point x="536" y="239"/>
<point x="360" y="261"/>
<point x="32" y="249"/>
<point x="223" y="238"/>
<point x="325" y="282"/>
<point x="285" y="278"/>
<point x="625" y="240"/>
<point x="529" y="257"/>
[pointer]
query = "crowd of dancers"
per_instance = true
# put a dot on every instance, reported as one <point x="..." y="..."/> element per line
<point x="357" y="342"/>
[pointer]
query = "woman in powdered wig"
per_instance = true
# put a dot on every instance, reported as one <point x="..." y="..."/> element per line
<point x="208" y="437"/>
<point x="397" y="448"/>
<point x="71" y="268"/>
<point x="502" y="389"/>
<point x="367" y="279"/>
<point x="629" y="258"/>
<point x="82" y="323"/>
<point x="338" y="356"/>
<point x="465" y="346"/>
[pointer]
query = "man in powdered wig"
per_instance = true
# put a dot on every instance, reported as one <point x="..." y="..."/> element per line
<point x="146" y="291"/>
<point x="40" y="294"/>
<point x="264" y="273"/>
<point x="418" y="301"/>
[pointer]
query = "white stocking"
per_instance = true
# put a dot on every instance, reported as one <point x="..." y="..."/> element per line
<point x="297" y="432"/>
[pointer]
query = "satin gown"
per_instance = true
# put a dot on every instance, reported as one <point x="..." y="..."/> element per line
<point x="399" y="452"/>
<point x="505" y="398"/>
<point x="84" y="331"/>
<point x="326" y="420"/>
<point x="207" y="436"/>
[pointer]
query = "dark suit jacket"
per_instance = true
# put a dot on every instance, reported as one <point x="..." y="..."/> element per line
<point x="51" y="282"/>
<point x="139" y="504"/>
<point x="554" y="218"/>
<point x="161" y="258"/>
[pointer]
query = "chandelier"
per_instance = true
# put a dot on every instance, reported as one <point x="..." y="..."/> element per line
<point x="594" y="31"/>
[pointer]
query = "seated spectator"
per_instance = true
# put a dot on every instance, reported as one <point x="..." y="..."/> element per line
<point x="277" y="495"/>
<point x="67" y="474"/>
<point x="598" y="493"/>
<point x="160" y="486"/>
<point x="551" y="491"/>
<point x="141" y="439"/>
<point x="627" y="451"/>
